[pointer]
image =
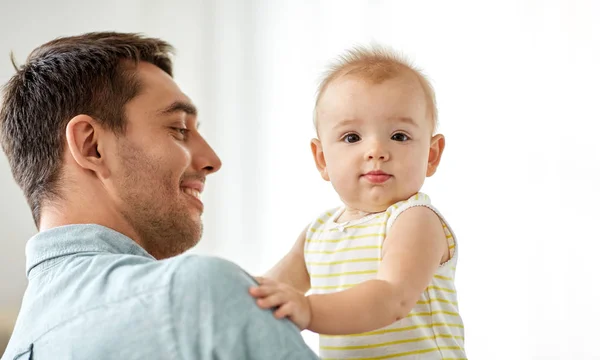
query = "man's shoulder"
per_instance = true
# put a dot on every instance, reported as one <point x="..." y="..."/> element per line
<point x="180" y="278"/>
<point x="191" y="272"/>
<point x="205" y="294"/>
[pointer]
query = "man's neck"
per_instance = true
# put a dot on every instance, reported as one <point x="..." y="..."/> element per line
<point x="66" y="213"/>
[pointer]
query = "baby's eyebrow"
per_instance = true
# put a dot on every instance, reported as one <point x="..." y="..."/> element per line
<point x="345" y="122"/>
<point x="405" y="119"/>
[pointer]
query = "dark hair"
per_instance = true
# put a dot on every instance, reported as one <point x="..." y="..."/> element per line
<point x="87" y="74"/>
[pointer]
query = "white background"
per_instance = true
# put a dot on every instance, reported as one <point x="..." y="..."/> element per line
<point x="517" y="84"/>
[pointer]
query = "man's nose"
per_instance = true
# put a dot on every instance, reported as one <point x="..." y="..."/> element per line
<point x="204" y="157"/>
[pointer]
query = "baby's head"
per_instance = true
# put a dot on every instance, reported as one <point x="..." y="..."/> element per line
<point x="376" y="119"/>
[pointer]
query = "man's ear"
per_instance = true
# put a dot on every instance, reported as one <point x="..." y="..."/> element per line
<point x="436" y="148"/>
<point x="84" y="139"/>
<point x="317" y="151"/>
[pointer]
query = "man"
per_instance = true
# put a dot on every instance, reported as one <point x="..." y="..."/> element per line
<point x="106" y="149"/>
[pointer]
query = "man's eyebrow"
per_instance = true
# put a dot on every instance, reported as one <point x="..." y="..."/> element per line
<point x="177" y="106"/>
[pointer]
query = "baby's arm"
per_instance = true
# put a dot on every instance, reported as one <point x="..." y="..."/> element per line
<point x="412" y="252"/>
<point x="291" y="269"/>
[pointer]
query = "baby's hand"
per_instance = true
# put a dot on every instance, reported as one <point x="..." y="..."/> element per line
<point x="288" y="301"/>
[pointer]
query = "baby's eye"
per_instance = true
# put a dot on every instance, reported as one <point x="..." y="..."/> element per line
<point x="400" y="137"/>
<point x="351" y="138"/>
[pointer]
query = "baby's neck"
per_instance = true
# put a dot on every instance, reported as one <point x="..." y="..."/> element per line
<point x="350" y="214"/>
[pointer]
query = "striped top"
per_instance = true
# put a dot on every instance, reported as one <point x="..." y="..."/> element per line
<point x="341" y="255"/>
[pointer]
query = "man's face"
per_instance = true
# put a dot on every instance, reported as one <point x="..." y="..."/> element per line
<point x="160" y="166"/>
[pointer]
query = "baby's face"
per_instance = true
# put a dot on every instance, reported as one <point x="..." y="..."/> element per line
<point x="375" y="140"/>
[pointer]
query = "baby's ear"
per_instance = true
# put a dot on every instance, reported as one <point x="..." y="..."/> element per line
<point x="436" y="148"/>
<point x="317" y="151"/>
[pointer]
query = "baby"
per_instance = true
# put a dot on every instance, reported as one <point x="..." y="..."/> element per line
<point x="380" y="269"/>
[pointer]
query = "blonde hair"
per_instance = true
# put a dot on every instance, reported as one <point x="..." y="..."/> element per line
<point x="375" y="63"/>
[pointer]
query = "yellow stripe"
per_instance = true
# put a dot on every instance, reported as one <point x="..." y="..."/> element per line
<point x="417" y="196"/>
<point x="329" y="214"/>
<point x="440" y="289"/>
<point x="452" y="246"/>
<point x="345" y="286"/>
<point x="426" y="313"/>
<point x="398" y="204"/>
<point x="442" y="277"/>
<point x="449" y="236"/>
<point x="313" y="230"/>
<point x="346" y="238"/>
<point x="424" y="351"/>
<point x="327" y="263"/>
<point x="333" y="287"/>
<point x="342" y="250"/>
<point x="424" y="302"/>
<point x="404" y="341"/>
<point x="320" y="221"/>
<point x="365" y="226"/>
<point x="387" y="331"/>
<point x="344" y="273"/>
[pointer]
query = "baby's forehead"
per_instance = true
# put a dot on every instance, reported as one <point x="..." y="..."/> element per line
<point x="396" y="78"/>
<point x="397" y="96"/>
<point x="348" y="93"/>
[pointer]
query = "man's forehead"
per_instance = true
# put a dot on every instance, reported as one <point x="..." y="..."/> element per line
<point x="154" y="80"/>
<point x="161" y="92"/>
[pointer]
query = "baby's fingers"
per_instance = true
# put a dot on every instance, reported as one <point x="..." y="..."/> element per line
<point x="264" y="281"/>
<point x="271" y="301"/>
<point x="262" y="291"/>
<point x="284" y="310"/>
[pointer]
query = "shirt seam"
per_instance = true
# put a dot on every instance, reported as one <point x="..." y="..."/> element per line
<point x="44" y="270"/>
<point x="171" y="317"/>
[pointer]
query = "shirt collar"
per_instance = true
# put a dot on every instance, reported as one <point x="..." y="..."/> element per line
<point x="48" y="247"/>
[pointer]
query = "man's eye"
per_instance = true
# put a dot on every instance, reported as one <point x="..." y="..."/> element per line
<point x="351" y="138"/>
<point x="182" y="131"/>
<point x="400" y="137"/>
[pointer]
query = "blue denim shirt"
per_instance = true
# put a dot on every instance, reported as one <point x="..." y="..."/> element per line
<point x="94" y="293"/>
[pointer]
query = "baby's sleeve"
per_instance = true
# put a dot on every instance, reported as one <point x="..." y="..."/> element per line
<point x="398" y="208"/>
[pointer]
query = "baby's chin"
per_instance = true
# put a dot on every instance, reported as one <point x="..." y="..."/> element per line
<point x="374" y="199"/>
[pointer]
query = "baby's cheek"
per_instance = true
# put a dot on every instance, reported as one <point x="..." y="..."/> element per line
<point x="417" y="176"/>
<point x="343" y="185"/>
